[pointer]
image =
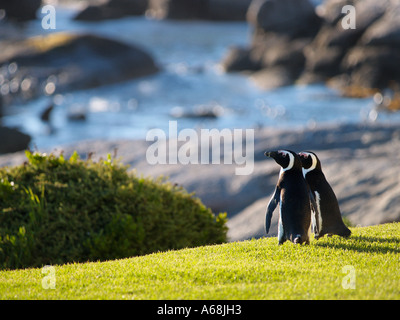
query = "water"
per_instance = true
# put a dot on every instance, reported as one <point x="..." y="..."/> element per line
<point x="189" y="54"/>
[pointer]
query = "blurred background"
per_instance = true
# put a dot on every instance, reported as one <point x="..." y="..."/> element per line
<point x="113" y="69"/>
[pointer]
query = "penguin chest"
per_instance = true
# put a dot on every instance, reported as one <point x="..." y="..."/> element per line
<point x="292" y="211"/>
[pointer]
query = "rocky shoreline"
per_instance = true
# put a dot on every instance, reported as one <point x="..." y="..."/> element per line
<point x="352" y="45"/>
<point x="292" y="42"/>
<point x="360" y="162"/>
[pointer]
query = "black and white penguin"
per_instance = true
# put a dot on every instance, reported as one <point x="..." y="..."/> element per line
<point x="328" y="219"/>
<point x="292" y="194"/>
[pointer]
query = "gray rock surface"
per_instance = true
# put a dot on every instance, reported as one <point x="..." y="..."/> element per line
<point x="113" y="9"/>
<point x="12" y="140"/>
<point x="224" y="10"/>
<point x="20" y="10"/>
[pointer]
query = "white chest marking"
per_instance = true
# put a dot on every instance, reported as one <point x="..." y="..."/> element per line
<point x="280" y="223"/>
<point x="318" y="201"/>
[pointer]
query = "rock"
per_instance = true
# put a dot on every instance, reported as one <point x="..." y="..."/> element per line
<point x="385" y="31"/>
<point x="291" y="44"/>
<point x="177" y="9"/>
<point x="277" y="60"/>
<point x="332" y="33"/>
<point x="241" y="59"/>
<point x="77" y="112"/>
<point x="199" y="9"/>
<point x="331" y="11"/>
<point x="366" y="11"/>
<point x="372" y="67"/>
<point x="61" y="62"/>
<point x="286" y="53"/>
<point x="113" y="9"/>
<point x="13" y="140"/>
<point x="369" y="11"/>
<point x="98" y="13"/>
<point x="20" y="10"/>
<point x="266" y="50"/>
<point x="321" y="63"/>
<point x="76" y="116"/>
<point x="273" y="77"/>
<point x="364" y="57"/>
<point x="282" y="31"/>
<point x="227" y="9"/>
<point x="296" y="18"/>
<point x="198" y="112"/>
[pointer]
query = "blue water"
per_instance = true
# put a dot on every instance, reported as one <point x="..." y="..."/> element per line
<point x="189" y="54"/>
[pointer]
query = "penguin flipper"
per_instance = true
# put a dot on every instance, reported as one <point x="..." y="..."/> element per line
<point x="273" y="202"/>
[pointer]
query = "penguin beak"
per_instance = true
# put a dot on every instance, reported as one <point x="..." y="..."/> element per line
<point x="270" y="154"/>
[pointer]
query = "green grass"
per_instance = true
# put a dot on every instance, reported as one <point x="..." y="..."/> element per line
<point x="255" y="269"/>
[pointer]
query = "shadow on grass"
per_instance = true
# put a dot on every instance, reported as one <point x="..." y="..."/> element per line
<point x="364" y="244"/>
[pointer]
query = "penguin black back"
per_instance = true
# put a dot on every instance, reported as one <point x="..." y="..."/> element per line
<point x="291" y="192"/>
<point x="329" y="219"/>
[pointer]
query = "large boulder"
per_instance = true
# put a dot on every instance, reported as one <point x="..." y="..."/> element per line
<point x="282" y="29"/>
<point x="13" y="140"/>
<point x="242" y="59"/>
<point x="113" y="9"/>
<point x="293" y="42"/>
<point x="385" y="31"/>
<point x="227" y="9"/>
<point x="20" y="10"/>
<point x="372" y="67"/>
<point x="199" y="9"/>
<point x="61" y="62"/>
<point x="364" y="57"/>
<point x="293" y="17"/>
<point x="282" y="62"/>
<point x="177" y="9"/>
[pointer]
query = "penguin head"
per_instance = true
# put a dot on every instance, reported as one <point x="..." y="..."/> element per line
<point x="287" y="159"/>
<point x="309" y="161"/>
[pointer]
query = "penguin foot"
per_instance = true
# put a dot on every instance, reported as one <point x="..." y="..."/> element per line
<point x="297" y="240"/>
<point x="345" y="233"/>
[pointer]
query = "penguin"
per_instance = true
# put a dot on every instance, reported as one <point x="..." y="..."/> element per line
<point x="328" y="218"/>
<point x="292" y="194"/>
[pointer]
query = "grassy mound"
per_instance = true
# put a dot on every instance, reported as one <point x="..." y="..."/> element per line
<point x="54" y="211"/>
<point x="365" y="266"/>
